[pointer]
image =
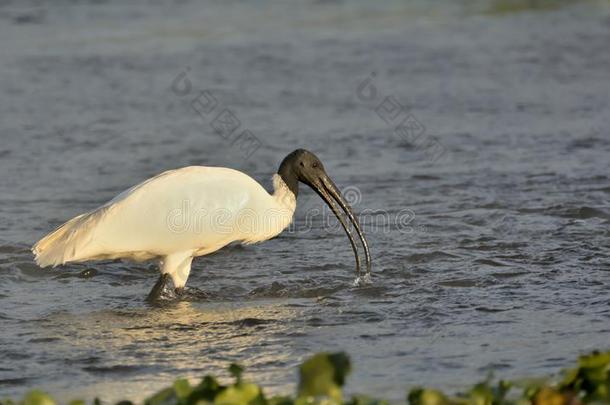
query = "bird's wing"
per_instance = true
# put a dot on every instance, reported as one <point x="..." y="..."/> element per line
<point x="167" y="213"/>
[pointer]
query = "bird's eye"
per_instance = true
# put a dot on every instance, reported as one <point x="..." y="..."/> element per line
<point x="314" y="165"/>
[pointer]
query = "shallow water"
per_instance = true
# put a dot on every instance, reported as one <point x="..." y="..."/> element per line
<point x="500" y="262"/>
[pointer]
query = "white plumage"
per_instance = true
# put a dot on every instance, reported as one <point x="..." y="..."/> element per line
<point x="173" y="217"/>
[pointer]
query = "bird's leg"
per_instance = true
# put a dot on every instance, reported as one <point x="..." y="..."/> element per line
<point x="179" y="291"/>
<point x="158" y="288"/>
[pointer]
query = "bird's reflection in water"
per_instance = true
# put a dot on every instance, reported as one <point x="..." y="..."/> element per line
<point x="183" y="339"/>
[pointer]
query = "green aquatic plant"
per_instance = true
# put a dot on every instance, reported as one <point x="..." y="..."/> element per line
<point x="321" y="379"/>
<point x="514" y="6"/>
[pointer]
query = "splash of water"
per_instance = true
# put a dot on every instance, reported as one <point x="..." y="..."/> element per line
<point x="362" y="281"/>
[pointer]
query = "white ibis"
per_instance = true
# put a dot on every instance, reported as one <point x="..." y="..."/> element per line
<point x="184" y="213"/>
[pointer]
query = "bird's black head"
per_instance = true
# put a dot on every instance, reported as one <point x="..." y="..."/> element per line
<point x="305" y="167"/>
<point x="301" y="165"/>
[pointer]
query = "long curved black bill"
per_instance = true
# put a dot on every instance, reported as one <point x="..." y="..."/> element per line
<point x="336" y="194"/>
<point x="326" y="196"/>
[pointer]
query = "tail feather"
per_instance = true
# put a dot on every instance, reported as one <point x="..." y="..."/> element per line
<point x="67" y="243"/>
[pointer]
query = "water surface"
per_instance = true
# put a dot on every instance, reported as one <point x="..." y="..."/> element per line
<point x="504" y="266"/>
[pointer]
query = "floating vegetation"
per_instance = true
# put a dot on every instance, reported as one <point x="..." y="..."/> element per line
<point x="322" y="377"/>
<point x="512" y="6"/>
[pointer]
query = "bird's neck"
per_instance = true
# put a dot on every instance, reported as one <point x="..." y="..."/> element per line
<point x="283" y="194"/>
<point x="288" y="177"/>
<point x="275" y="217"/>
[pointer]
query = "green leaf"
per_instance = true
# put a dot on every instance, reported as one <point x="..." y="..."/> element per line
<point x="595" y="360"/>
<point x="207" y="390"/>
<point x="166" y="396"/>
<point x="240" y="394"/>
<point x="323" y="375"/>
<point x="592" y="378"/>
<point x="37" y="398"/>
<point x="342" y="366"/>
<point x="281" y="401"/>
<point x="182" y="388"/>
<point x="481" y="394"/>
<point x="424" y="396"/>
<point x="501" y="390"/>
<point x="570" y="377"/>
<point x="236" y="371"/>
<point x="550" y="396"/>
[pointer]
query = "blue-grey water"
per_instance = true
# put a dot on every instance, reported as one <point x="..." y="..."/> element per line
<point x="498" y="176"/>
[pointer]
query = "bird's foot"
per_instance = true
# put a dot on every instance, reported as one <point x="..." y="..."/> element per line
<point x="157" y="291"/>
<point x="161" y="294"/>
